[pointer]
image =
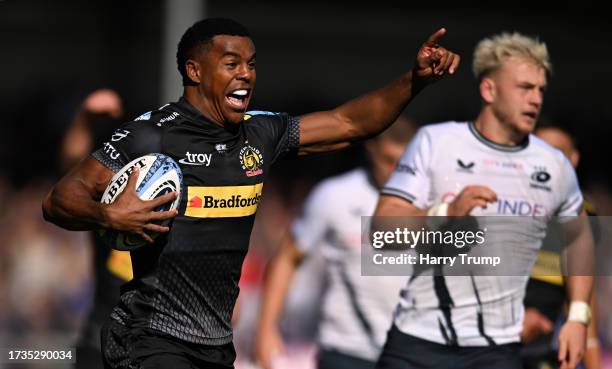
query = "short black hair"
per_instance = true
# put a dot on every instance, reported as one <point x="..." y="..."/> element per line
<point x="201" y="34"/>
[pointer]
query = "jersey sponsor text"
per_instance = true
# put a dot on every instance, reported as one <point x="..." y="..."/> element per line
<point x="223" y="201"/>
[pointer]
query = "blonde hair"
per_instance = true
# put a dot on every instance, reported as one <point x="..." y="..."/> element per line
<point x="492" y="52"/>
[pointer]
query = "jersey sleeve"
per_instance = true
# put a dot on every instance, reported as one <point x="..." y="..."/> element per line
<point x="282" y="129"/>
<point x="411" y="178"/>
<point x="131" y="140"/>
<point x="572" y="200"/>
<point x="311" y="226"/>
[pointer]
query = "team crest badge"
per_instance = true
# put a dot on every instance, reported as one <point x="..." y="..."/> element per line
<point x="251" y="160"/>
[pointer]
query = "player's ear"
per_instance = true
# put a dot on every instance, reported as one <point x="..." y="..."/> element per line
<point x="574" y="158"/>
<point x="194" y="70"/>
<point x="487" y="90"/>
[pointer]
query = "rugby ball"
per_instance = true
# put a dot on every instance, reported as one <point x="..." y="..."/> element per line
<point x="159" y="175"/>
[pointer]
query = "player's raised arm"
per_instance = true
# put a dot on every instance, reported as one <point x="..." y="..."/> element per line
<point x="370" y="114"/>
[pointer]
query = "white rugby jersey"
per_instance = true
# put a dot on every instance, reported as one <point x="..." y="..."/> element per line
<point x="357" y="310"/>
<point x="530" y="180"/>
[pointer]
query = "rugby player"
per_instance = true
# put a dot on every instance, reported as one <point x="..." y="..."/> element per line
<point x="489" y="166"/>
<point x="357" y="310"/>
<point x="176" y="311"/>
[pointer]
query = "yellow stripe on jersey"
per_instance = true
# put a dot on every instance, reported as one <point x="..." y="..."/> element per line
<point x="547" y="268"/>
<point x="120" y="264"/>
<point x="223" y="201"/>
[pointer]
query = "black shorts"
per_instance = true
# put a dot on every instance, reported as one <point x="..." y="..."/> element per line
<point x="329" y="359"/>
<point x="402" y="351"/>
<point x="138" y="348"/>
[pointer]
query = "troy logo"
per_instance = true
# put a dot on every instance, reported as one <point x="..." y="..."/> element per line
<point x="196" y="159"/>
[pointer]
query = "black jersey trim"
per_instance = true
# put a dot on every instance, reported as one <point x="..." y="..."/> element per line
<point x="113" y="165"/>
<point x="496" y="146"/>
<point x="399" y="193"/>
<point x="293" y="141"/>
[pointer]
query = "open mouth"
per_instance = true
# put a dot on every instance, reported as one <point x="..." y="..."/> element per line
<point x="238" y="98"/>
<point x="531" y="115"/>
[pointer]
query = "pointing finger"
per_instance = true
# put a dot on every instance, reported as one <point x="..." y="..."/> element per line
<point x="433" y="39"/>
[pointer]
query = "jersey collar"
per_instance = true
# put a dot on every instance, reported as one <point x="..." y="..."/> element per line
<point x="210" y="129"/>
<point x="496" y="146"/>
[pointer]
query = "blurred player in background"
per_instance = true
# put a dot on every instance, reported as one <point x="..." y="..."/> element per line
<point x="98" y="117"/>
<point x="486" y="167"/>
<point x="546" y="291"/>
<point x="357" y="310"/>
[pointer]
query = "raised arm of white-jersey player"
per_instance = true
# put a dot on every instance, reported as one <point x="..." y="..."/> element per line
<point x="370" y="114"/>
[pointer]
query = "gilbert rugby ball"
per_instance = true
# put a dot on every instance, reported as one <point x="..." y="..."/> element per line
<point x="159" y="175"/>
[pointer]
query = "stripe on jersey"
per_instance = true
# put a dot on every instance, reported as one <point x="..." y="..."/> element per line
<point x="479" y="314"/>
<point x="365" y="324"/>
<point x="445" y="305"/>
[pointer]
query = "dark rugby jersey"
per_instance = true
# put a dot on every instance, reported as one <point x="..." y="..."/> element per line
<point x="186" y="284"/>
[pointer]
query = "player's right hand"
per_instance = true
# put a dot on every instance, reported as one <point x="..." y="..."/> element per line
<point x="131" y="214"/>
<point x="268" y="345"/>
<point x="469" y="198"/>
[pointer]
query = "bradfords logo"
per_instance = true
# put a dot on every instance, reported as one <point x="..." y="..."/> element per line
<point x="251" y="160"/>
<point x="223" y="201"/>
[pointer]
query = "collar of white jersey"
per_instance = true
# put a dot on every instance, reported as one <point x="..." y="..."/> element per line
<point x="494" y="145"/>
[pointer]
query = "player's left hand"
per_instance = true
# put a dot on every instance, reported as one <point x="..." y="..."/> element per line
<point x="572" y="342"/>
<point x="434" y="61"/>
